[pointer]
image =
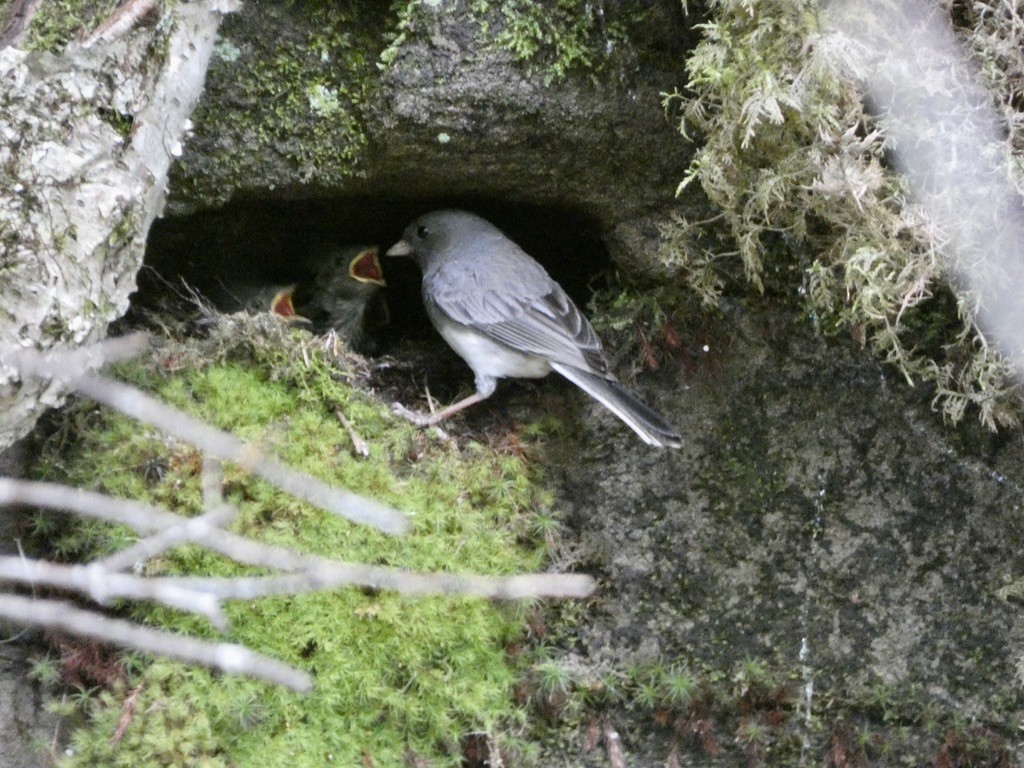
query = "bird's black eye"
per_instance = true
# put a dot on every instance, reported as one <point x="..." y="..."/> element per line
<point x="422" y="232"/>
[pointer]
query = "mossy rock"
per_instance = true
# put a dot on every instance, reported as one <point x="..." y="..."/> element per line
<point x="393" y="676"/>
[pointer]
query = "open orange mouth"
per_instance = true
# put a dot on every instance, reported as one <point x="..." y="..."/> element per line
<point x="366" y="267"/>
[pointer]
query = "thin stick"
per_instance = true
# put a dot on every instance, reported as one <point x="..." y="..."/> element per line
<point x="359" y="446"/>
<point x="15" y="23"/>
<point x="125" y="17"/>
<point x="145" y="518"/>
<point x="227" y="447"/>
<point x="230" y="658"/>
<point x="73" y="370"/>
<point x="195" y="530"/>
<point x="313" y="572"/>
<point x="103" y="586"/>
<point x="328" y="574"/>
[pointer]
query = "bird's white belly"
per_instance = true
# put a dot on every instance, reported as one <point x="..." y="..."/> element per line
<point x="490" y="359"/>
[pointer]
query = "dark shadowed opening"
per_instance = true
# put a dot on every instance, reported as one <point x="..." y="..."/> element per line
<point x="278" y="242"/>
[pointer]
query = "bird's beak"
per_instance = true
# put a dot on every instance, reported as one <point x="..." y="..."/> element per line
<point x="282" y="305"/>
<point x="365" y="268"/>
<point x="401" y="248"/>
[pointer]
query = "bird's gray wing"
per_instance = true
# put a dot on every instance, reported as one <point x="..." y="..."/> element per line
<point x="528" y="312"/>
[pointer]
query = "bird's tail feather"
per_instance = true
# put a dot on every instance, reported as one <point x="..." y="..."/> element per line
<point x="640" y="417"/>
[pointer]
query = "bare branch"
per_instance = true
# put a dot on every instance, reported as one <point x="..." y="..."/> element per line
<point x="65" y="366"/>
<point x="612" y="743"/>
<point x="229" y="448"/>
<point x="101" y="581"/>
<point x="359" y="446"/>
<point x="102" y="586"/>
<point x="234" y="659"/>
<point x="213" y="483"/>
<point x="196" y="529"/>
<point x="313" y="572"/>
<point x="125" y="17"/>
<point x="328" y="574"/>
<point x="132" y="402"/>
<point x="73" y="370"/>
<point x="142" y="517"/>
<point x="16" y="20"/>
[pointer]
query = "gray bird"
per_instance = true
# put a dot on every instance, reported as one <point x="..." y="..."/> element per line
<point x="504" y="315"/>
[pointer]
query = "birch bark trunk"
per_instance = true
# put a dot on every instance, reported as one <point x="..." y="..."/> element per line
<point x="86" y="141"/>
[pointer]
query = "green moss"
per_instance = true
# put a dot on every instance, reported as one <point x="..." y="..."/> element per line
<point x="557" y="39"/>
<point x="753" y="712"/>
<point x="563" y="37"/>
<point x="405" y="12"/>
<point x="56" y="23"/>
<point x="795" y="163"/>
<point x="119" y="121"/>
<point x="176" y="732"/>
<point x="394" y="676"/>
<point x="294" y="98"/>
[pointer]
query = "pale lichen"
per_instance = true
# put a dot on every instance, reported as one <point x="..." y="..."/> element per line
<point x="798" y="167"/>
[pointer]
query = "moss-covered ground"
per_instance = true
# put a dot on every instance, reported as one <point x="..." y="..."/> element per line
<point x="396" y="678"/>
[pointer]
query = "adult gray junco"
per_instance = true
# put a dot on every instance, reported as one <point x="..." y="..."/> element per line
<point x="504" y="315"/>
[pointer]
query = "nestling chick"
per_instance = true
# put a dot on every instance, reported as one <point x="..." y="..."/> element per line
<point x="345" y="296"/>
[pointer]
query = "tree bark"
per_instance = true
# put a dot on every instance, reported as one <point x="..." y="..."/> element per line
<point x="86" y="141"/>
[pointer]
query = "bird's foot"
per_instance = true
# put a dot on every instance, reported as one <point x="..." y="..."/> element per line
<point x="420" y="420"/>
<point x="415" y="417"/>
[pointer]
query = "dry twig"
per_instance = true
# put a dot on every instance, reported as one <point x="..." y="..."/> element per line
<point x="73" y="370"/>
<point x="309" y="572"/>
<point x="235" y="659"/>
<point x="103" y="586"/>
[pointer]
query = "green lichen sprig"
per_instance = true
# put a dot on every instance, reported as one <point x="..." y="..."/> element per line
<point x="563" y="36"/>
<point x="556" y="39"/>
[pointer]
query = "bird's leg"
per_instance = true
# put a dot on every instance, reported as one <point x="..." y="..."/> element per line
<point x="430" y="398"/>
<point x="428" y="419"/>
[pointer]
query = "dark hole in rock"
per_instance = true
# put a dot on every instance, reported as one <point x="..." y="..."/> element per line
<point x="252" y="248"/>
<point x="230" y="253"/>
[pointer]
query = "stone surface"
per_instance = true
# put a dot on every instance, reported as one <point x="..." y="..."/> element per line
<point x="820" y="520"/>
<point x="818" y="504"/>
<point x="451" y="119"/>
<point x="29" y="735"/>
